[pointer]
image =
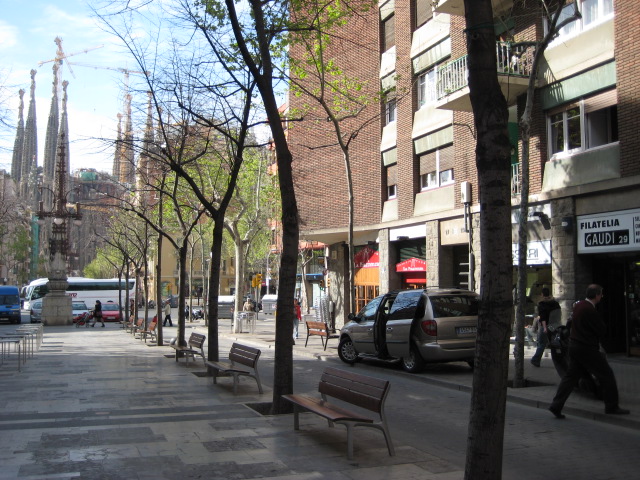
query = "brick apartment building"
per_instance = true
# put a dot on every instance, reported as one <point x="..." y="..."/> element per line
<point x="415" y="180"/>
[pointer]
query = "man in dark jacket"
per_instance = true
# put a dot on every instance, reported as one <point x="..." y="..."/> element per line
<point x="587" y="329"/>
<point x="547" y="305"/>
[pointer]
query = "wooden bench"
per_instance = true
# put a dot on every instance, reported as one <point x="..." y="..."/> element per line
<point x="238" y="355"/>
<point x="193" y="346"/>
<point x="131" y="327"/>
<point x="353" y="388"/>
<point x="321" y="329"/>
<point x="150" y="330"/>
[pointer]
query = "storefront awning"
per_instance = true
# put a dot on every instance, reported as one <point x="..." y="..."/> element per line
<point x="367" y="258"/>
<point x="412" y="265"/>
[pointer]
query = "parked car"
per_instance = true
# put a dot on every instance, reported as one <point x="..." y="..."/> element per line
<point x="10" y="304"/>
<point x="78" y="309"/>
<point x="110" y="312"/>
<point x="36" y="311"/>
<point x="414" y="327"/>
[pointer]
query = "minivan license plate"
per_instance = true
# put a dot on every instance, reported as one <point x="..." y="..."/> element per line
<point x="466" y="330"/>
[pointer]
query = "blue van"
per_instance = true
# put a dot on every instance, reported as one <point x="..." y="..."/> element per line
<point x="10" y="304"/>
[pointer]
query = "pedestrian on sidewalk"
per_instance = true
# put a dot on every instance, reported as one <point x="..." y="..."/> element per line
<point x="296" y="317"/>
<point x="546" y="307"/>
<point x="97" y="313"/>
<point x="167" y="314"/>
<point x="587" y="329"/>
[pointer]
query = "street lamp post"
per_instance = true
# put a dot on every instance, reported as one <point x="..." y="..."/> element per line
<point x="56" y="305"/>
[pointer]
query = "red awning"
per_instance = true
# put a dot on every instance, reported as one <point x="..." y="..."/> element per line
<point x="367" y="258"/>
<point x="412" y="265"/>
<point x="414" y="278"/>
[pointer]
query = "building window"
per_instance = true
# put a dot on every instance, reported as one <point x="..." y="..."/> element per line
<point x="436" y="168"/>
<point x="427" y="92"/>
<point x="390" y="111"/>
<point x="389" y="30"/>
<point x="593" y="11"/>
<point x="566" y="132"/>
<point x="422" y="12"/>
<point x="392" y="175"/>
<point x="591" y="123"/>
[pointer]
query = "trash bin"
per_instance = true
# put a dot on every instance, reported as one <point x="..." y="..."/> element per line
<point x="269" y="303"/>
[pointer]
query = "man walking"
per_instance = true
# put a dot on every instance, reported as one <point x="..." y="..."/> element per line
<point x="587" y="329"/>
<point x="167" y="314"/>
<point x="545" y="307"/>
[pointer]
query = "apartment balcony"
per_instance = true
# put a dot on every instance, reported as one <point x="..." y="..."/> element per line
<point x="513" y="68"/>
<point x="456" y="7"/>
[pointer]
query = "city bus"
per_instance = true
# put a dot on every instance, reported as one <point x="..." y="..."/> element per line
<point x="83" y="289"/>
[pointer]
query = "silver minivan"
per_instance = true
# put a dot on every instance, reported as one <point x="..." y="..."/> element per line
<point x="414" y="327"/>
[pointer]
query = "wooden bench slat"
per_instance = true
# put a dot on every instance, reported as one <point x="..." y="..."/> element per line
<point x="325" y="409"/>
<point x="320" y="329"/>
<point x="194" y="345"/>
<point x="353" y="388"/>
<point x="239" y="354"/>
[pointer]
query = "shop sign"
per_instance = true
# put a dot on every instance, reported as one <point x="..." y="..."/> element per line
<point x="367" y="258"/>
<point x="412" y="265"/>
<point x="538" y="252"/>
<point x="609" y="232"/>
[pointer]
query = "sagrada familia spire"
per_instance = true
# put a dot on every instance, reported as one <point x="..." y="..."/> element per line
<point x="51" y="142"/>
<point x="16" y="160"/>
<point x="29" y="162"/>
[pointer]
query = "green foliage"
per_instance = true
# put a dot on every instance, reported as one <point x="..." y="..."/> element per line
<point x="103" y="266"/>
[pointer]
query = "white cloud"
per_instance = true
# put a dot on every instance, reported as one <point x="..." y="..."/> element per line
<point x="8" y="35"/>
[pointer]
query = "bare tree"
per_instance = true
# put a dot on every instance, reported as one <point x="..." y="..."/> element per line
<point x="551" y="12"/>
<point x="334" y="96"/>
<point x="257" y="33"/>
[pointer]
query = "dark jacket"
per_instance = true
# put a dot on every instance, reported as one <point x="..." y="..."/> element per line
<point x="587" y="326"/>
<point x="545" y="307"/>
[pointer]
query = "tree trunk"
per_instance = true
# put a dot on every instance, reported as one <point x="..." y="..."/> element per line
<point x="347" y="168"/>
<point x="182" y="279"/>
<point x="240" y="264"/>
<point x="488" y="400"/>
<point x="214" y="289"/>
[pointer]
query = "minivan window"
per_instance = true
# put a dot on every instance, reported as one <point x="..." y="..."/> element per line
<point x="369" y="310"/>
<point x="454" y="306"/>
<point x="405" y="305"/>
<point x="9" y="299"/>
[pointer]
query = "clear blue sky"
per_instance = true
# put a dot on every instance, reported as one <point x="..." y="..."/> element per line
<point x="95" y="96"/>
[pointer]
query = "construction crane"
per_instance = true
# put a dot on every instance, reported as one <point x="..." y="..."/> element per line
<point x="126" y="71"/>
<point x="61" y="56"/>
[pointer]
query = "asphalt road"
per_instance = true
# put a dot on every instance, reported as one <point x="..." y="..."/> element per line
<point x="434" y="419"/>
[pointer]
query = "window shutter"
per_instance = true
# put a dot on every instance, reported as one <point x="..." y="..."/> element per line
<point x="423" y="12"/>
<point x="428" y="162"/>
<point x="392" y="175"/>
<point x="389" y="32"/>
<point x="600" y="101"/>
<point x="446" y="158"/>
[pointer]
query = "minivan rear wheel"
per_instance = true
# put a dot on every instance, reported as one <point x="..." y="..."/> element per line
<point x="346" y="351"/>
<point x="413" y="363"/>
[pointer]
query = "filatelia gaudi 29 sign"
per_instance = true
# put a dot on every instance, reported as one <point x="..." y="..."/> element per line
<point x="609" y="232"/>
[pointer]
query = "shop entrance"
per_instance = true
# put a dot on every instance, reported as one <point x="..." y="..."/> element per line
<point x="538" y="276"/>
<point x="620" y="280"/>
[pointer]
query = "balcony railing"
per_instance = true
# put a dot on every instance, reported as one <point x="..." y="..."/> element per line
<point x="512" y="61"/>
<point x="515" y="179"/>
